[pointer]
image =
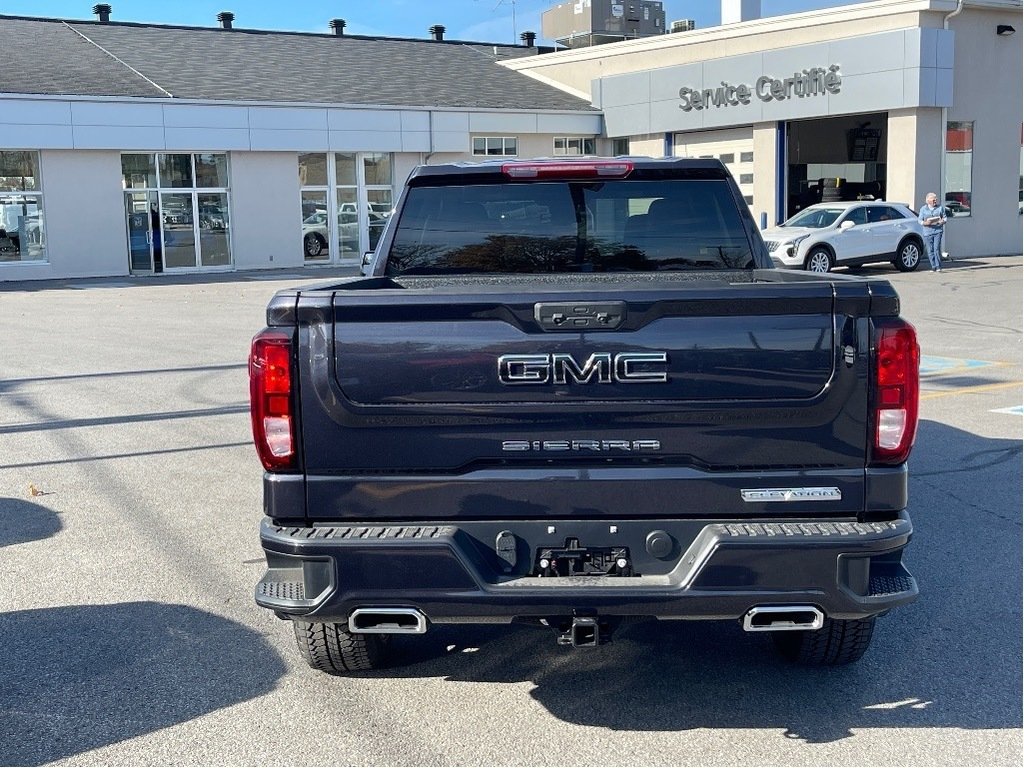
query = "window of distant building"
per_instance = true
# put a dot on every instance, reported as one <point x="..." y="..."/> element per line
<point x="959" y="162"/>
<point x="495" y="146"/>
<point x="570" y="145"/>
<point x="22" y="231"/>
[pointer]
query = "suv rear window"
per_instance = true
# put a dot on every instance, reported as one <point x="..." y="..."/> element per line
<point x="569" y="226"/>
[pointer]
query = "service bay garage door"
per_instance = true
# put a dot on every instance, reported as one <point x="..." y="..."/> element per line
<point x="733" y="146"/>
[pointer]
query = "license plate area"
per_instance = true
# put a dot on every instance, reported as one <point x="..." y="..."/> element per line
<point x="572" y="559"/>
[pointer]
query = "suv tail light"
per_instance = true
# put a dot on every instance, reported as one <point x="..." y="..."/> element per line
<point x="271" y="398"/>
<point x="896" y="390"/>
<point x="570" y="169"/>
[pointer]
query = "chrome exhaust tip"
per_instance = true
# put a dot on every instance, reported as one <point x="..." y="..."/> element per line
<point x="782" y="618"/>
<point x="387" y="621"/>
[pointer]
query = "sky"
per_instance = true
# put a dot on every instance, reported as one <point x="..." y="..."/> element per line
<point x="494" y="21"/>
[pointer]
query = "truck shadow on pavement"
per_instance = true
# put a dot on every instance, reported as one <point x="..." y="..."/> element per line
<point x="80" y="677"/>
<point x="24" y="521"/>
<point x="950" y="660"/>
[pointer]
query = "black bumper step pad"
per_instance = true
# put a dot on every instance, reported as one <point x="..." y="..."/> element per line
<point x="282" y="590"/>
<point x="366" y="532"/>
<point x="889" y="585"/>
<point x="751" y="530"/>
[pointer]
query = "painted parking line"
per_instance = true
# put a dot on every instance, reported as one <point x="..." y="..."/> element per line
<point x="934" y="365"/>
<point x="1016" y="410"/>
<point x="932" y="394"/>
<point x="934" y="368"/>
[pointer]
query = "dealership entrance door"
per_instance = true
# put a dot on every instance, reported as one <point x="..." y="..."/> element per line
<point x="835" y="159"/>
<point x="176" y="211"/>
<point x="144" y="254"/>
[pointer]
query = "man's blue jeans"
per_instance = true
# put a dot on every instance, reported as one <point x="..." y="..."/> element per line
<point x="932" y="243"/>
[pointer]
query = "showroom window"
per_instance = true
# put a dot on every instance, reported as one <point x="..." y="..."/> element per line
<point x="568" y="145"/>
<point x="495" y="146"/>
<point x="347" y="199"/>
<point x="378" y="177"/>
<point x="620" y="147"/>
<point x="313" y="186"/>
<point x="177" y="210"/>
<point x="959" y="159"/>
<point x="22" y="236"/>
<point x="347" y="196"/>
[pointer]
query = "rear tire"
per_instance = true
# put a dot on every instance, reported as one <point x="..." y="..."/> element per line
<point x="331" y="648"/>
<point x="819" y="260"/>
<point x="908" y="255"/>
<point x="838" y="642"/>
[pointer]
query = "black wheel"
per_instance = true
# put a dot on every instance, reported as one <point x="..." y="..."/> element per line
<point x="837" y="642"/>
<point x="819" y="260"/>
<point x="333" y="649"/>
<point x="908" y="255"/>
<point x="314" y="245"/>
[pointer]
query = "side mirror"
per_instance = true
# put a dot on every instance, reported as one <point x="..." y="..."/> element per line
<point x="366" y="263"/>
<point x="845" y="225"/>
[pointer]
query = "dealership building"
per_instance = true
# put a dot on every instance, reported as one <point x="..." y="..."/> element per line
<point x="142" y="149"/>
<point x="890" y="99"/>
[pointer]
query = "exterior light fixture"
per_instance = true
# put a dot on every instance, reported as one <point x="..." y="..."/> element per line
<point x="1004" y="30"/>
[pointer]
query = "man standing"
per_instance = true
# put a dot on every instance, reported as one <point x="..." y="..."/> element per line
<point x="933" y="219"/>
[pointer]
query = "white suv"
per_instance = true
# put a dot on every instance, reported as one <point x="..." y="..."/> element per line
<point x="829" y="235"/>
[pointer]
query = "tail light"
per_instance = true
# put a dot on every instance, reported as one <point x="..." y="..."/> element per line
<point x="271" y="398"/>
<point x="896" y="391"/>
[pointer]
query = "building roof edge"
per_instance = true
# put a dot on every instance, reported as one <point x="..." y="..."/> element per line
<point x="852" y="12"/>
<point x="585" y="109"/>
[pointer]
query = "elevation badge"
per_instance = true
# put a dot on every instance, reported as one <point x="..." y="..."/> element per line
<point x="791" y="494"/>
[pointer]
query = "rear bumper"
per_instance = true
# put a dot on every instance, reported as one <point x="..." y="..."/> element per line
<point x="710" y="570"/>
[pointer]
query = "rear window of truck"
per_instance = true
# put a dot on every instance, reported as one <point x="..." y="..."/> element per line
<point x="570" y="226"/>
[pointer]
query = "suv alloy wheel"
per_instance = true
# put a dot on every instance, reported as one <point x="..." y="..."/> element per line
<point x="819" y="260"/>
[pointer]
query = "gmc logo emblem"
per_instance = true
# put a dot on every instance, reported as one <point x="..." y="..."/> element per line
<point x="599" y="368"/>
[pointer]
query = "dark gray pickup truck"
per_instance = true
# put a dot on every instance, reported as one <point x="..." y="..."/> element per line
<point x="572" y="393"/>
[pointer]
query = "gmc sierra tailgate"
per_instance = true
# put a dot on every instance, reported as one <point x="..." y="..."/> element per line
<point x="672" y="395"/>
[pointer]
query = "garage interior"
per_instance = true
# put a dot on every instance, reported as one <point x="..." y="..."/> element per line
<point x="836" y="158"/>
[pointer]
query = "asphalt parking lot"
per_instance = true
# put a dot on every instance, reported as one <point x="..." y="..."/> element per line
<point x="129" y="507"/>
